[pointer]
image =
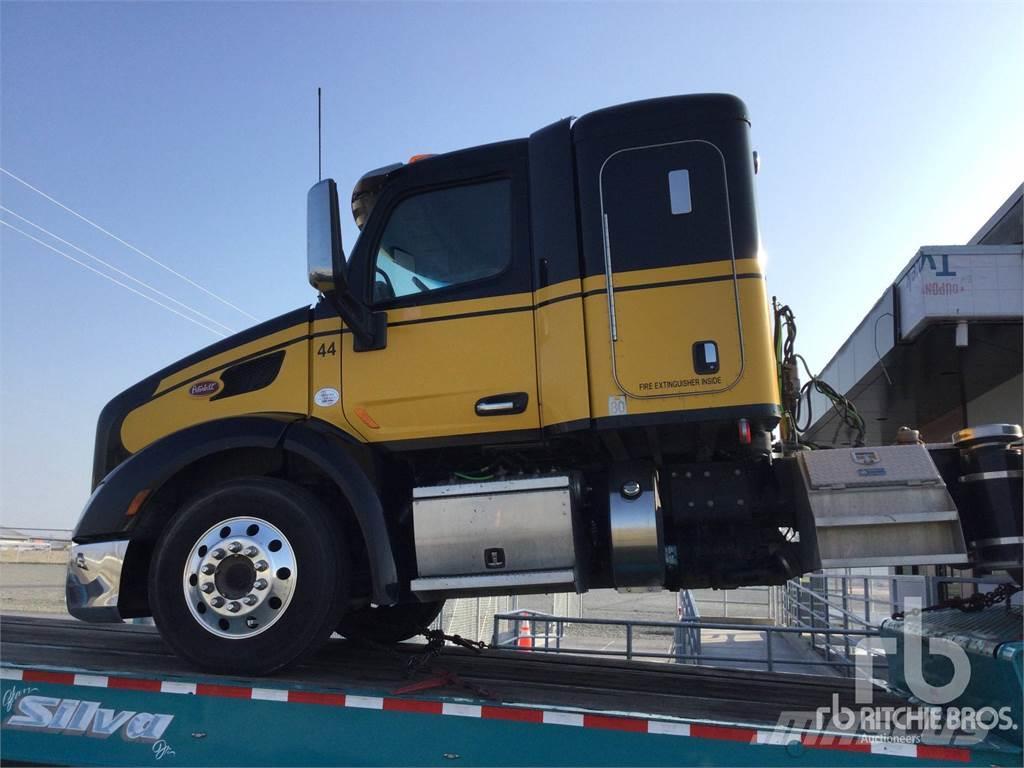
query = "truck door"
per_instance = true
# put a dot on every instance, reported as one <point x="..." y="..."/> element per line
<point x="446" y="256"/>
<point x="671" y="268"/>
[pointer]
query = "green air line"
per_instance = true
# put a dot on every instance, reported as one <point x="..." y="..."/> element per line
<point x="464" y="476"/>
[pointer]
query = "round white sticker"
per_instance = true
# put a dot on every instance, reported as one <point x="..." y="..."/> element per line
<point x="326" y="397"/>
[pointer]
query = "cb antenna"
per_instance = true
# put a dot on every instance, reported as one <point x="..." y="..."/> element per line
<point x="319" y="139"/>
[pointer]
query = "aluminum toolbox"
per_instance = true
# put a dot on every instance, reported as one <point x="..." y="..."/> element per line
<point x="509" y="533"/>
<point x="884" y="505"/>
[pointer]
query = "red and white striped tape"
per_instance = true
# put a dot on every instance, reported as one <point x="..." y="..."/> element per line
<point x="630" y="723"/>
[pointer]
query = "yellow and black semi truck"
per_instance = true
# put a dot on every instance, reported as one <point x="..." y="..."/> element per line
<point x="546" y="365"/>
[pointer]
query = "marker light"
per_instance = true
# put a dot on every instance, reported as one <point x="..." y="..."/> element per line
<point x="137" y="502"/>
<point x="366" y="418"/>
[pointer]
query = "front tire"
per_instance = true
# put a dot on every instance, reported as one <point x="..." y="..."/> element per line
<point x="250" y="577"/>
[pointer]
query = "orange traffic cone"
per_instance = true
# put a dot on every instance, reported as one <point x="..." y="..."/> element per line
<point x="524" y="640"/>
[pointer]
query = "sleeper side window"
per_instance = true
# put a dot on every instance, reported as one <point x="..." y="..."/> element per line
<point x="443" y="238"/>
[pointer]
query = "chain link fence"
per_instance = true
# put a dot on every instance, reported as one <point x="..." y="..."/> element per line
<point x="473" y="617"/>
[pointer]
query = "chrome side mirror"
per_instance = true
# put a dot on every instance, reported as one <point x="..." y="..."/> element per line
<point x="325" y="260"/>
<point x="325" y="257"/>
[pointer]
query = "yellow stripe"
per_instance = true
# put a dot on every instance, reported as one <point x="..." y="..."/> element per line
<point x="667" y="274"/>
<point x="556" y="291"/>
<point x="469" y="306"/>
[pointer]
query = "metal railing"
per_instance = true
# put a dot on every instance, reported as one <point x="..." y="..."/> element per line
<point x="832" y="612"/>
<point x="873" y="598"/>
<point x="744" y="602"/>
<point x="818" y="603"/>
<point x="549" y="634"/>
<point x="524" y="633"/>
<point x="819" y="618"/>
<point x="687" y="639"/>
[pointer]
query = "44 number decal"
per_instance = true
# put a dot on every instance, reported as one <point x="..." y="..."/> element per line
<point x="327" y="349"/>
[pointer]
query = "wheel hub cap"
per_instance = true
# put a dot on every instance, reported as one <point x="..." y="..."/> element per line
<point x="239" y="577"/>
<point x="234" y="577"/>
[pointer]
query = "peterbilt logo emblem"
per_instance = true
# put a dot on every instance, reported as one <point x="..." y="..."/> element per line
<point x="203" y="388"/>
<point x="74" y="717"/>
<point x="865" y="457"/>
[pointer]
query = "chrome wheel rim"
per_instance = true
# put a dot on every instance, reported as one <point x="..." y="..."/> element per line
<point x="240" y="577"/>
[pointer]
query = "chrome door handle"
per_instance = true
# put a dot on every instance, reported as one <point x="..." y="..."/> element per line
<point x="506" y="405"/>
<point x="502" y="405"/>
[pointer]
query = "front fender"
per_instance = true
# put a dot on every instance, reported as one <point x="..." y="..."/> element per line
<point x="105" y="515"/>
<point x="326" y="447"/>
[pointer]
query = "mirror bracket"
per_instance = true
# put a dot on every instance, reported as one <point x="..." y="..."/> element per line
<point x="374" y="337"/>
<point x="369" y="329"/>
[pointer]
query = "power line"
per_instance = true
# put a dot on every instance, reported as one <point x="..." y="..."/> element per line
<point x="159" y="263"/>
<point x="121" y="272"/>
<point x="111" y="279"/>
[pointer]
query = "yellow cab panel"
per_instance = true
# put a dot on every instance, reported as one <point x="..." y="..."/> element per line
<point x="262" y="370"/>
<point x="676" y="308"/>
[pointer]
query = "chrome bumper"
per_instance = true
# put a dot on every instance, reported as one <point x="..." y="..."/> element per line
<point x="94" y="580"/>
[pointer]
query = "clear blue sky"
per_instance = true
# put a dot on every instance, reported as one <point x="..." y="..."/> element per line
<point x="189" y="130"/>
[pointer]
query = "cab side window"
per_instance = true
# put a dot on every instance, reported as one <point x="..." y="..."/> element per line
<point x="445" y="237"/>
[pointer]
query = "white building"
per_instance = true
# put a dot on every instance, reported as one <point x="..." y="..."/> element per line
<point x="942" y="348"/>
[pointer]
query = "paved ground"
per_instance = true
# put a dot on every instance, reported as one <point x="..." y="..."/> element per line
<point x="16" y="555"/>
<point x="32" y="588"/>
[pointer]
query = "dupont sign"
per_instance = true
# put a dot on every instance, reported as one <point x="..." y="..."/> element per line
<point x="971" y="282"/>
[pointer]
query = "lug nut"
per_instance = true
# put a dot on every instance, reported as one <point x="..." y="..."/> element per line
<point x="218" y="554"/>
<point x="250" y="551"/>
<point x="261" y="565"/>
<point x="208" y="568"/>
<point x="235" y="606"/>
<point x="207" y="588"/>
<point x="260" y="584"/>
<point x="217" y="602"/>
<point x="235" y="547"/>
<point x="250" y="599"/>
